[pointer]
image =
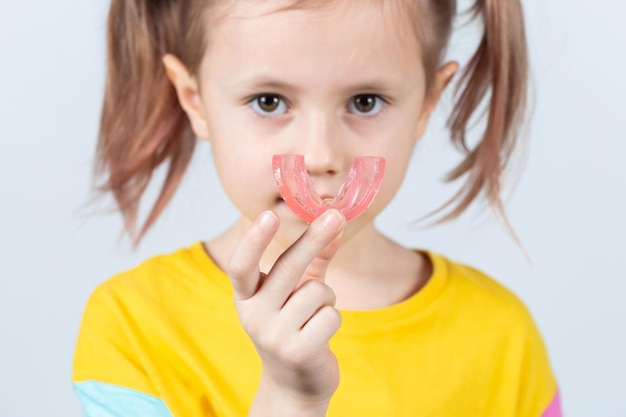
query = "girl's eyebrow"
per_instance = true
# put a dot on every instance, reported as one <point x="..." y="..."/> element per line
<point x="263" y="82"/>
<point x="269" y="83"/>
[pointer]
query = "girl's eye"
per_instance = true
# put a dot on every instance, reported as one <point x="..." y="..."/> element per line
<point x="365" y="104"/>
<point x="269" y="104"/>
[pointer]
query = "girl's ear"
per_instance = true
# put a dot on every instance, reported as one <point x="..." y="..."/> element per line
<point x="442" y="78"/>
<point x="188" y="94"/>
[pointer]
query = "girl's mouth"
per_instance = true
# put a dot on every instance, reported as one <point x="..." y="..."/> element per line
<point x="354" y="197"/>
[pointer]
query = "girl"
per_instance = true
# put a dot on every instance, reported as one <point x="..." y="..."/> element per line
<point x="331" y="318"/>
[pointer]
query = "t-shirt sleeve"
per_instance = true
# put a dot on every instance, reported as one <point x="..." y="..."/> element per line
<point x="107" y="374"/>
<point x="105" y="400"/>
<point x="539" y="391"/>
<point x="554" y="409"/>
<point x="527" y="375"/>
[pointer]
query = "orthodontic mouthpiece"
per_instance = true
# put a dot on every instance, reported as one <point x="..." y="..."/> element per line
<point x="354" y="197"/>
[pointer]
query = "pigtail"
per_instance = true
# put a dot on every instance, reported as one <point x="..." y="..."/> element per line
<point x="499" y="66"/>
<point x="142" y="124"/>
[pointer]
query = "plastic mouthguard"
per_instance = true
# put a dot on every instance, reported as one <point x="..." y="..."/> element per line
<point x="354" y="197"/>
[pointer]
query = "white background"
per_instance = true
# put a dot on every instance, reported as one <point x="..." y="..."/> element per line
<point x="569" y="207"/>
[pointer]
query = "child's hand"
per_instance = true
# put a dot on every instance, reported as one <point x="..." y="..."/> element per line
<point x="290" y="325"/>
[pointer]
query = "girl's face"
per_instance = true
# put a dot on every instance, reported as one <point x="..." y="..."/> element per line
<point x="329" y="83"/>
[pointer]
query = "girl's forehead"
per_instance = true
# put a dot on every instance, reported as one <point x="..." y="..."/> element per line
<point x="341" y="38"/>
<point x="384" y="20"/>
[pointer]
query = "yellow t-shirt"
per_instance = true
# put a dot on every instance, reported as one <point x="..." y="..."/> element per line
<point x="164" y="339"/>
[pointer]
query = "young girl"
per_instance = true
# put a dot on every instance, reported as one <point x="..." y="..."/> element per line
<point x="276" y="317"/>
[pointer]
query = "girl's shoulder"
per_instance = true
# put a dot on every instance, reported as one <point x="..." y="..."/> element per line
<point x="162" y="282"/>
<point x="187" y="266"/>
<point x="468" y="290"/>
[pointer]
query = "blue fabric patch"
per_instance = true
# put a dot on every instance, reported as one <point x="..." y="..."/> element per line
<point x="106" y="400"/>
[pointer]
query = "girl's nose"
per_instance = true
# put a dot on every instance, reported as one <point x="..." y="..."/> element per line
<point x="323" y="145"/>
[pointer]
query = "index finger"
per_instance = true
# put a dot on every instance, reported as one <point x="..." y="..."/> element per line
<point x="243" y="267"/>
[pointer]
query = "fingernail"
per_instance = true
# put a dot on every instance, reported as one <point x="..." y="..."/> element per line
<point x="332" y="219"/>
<point x="267" y="221"/>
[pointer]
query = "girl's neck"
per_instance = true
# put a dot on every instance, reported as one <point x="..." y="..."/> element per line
<point x="382" y="274"/>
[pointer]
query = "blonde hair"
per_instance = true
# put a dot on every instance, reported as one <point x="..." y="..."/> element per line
<point x="143" y="126"/>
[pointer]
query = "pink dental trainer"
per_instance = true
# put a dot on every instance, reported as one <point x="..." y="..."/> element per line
<point x="354" y="197"/>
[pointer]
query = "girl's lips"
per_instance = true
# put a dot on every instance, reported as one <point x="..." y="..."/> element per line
<point x="354" y="197"/>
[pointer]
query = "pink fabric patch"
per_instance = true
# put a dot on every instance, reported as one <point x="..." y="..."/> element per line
<point x="554" y="409"/>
